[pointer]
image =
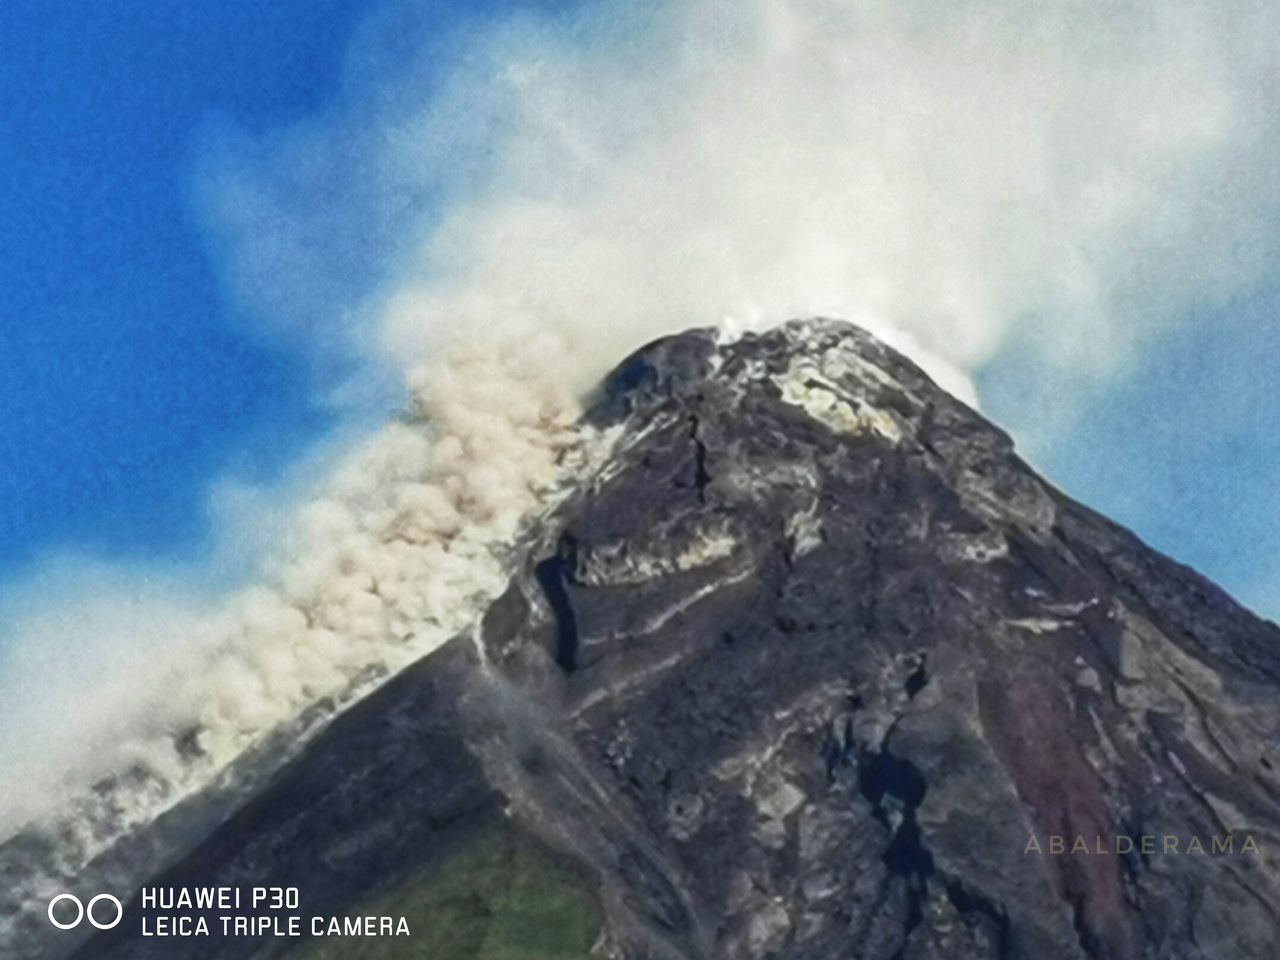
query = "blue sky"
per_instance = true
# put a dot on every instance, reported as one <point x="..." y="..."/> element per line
<point x="127" y="377"/>
<point x="132" y="376"/>
<point x="1184" y="448"/>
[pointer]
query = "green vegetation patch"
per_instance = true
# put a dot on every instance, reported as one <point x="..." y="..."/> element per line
<point x="501" y="896"/>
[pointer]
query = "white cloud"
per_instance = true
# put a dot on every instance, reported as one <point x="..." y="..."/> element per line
<point x="953" y="171"/>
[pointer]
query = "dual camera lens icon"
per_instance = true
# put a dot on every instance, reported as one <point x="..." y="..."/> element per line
<point x="87" y="912"/>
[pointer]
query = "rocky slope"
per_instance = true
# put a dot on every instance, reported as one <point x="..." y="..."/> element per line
<point x="814" y="667"/>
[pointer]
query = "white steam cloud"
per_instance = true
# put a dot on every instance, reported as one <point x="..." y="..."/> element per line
<point x="947" y="174"/>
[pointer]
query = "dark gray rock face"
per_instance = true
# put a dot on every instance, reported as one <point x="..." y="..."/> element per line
<point x="815" y="667"/>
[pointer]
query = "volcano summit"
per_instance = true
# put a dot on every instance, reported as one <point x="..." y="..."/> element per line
<point x="811" y="666"/>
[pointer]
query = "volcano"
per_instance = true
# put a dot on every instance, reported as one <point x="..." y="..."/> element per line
<point x="810" y="666"/>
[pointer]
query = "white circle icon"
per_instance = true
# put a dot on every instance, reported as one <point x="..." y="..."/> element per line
<point x="82" y="911"/>
<point x="119" y="911"/>
<point x="79" y="911"/>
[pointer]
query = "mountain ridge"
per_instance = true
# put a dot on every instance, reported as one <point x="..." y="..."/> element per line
<point x="801" y="671"/>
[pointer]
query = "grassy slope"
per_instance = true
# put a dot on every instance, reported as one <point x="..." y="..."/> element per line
<point x="501" y="897"/>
